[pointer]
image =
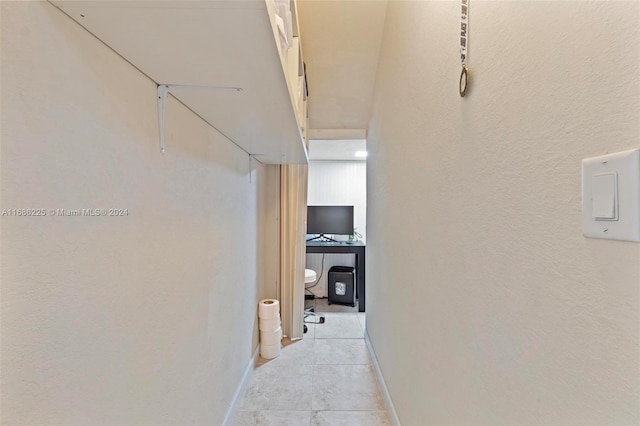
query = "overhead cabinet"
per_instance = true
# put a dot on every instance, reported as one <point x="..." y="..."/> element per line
<point x="243" y="44"/>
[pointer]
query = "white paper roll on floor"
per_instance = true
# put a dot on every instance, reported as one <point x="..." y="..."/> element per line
<point x="271" y="337"/>
<point x="270" y="351"/>
<point x="270" y="324"/>
<point x="268" y="308"/>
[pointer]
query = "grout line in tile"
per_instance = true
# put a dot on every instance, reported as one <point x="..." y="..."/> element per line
<point x="283" y="410"/>
<point x="340" y="338"/>
<point x="343" y="364"/>
<point x="375" y="411"/>
<point x="312" y="384"/>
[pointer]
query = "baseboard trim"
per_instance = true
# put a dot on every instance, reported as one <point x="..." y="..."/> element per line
<point x="242" y="387"/>
<point x="391" y="409"/>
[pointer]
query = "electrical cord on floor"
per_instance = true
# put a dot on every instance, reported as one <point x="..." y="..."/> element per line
<point x="313" y="309"/>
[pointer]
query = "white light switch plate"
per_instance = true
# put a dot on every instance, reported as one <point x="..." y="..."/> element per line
<point x="625" y="166"/>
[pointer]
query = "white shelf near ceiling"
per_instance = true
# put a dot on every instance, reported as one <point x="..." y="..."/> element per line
<point x="214" y="43"/>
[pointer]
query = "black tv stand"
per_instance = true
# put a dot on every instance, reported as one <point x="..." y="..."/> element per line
<point x="323" y="237"/>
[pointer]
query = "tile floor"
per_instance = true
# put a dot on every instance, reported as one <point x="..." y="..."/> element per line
<point x="325" y="379"/>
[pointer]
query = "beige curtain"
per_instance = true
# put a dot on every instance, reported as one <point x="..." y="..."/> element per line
<point x="292" y="234"/>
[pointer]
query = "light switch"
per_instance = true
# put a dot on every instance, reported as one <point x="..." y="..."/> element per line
<point x="611" y="196"/>
<point x="604" y="196"/>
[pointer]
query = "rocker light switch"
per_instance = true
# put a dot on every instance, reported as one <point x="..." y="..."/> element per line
<point x="611" y="196"/>
<point x="604" y="196"/>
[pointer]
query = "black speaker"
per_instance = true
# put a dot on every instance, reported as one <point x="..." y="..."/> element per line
<point x="342" y="285"/>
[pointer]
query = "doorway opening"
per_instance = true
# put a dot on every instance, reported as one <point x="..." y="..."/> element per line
<point x="336" y="201"/>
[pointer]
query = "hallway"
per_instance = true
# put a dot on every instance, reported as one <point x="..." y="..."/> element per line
<point x="325" y="379"/>
<point x="130" y="274"/>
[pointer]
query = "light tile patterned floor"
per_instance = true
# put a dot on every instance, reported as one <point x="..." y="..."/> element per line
<point x="325" y="379"/>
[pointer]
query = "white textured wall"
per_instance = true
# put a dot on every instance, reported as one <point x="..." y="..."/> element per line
<point x="143" y="319"/>
<point x="337" y="183"/>
<point x="485" y="305"/>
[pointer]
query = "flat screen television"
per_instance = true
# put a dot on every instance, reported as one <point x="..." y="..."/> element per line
<point x="330" y="220"/>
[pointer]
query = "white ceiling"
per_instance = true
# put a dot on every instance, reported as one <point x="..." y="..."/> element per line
<point x="340" y="43"/>
<point x="336" y="150"/>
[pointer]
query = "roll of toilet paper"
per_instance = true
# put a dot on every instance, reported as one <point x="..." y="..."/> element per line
<point x="270" y="324"/>
<point x="270" y="338"/>
<point x="270" y="351"/>
<point x="268" y="308"/>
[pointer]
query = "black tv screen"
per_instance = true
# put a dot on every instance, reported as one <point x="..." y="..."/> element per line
<point x="330" y="220"/>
